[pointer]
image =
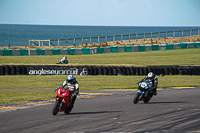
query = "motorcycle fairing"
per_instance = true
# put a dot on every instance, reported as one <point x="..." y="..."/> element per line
<point x="139" y="91"/>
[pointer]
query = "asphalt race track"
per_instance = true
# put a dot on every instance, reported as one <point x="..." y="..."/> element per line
<point x="172" y="110"/>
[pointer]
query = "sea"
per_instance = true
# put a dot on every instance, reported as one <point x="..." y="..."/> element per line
<point x="19" y="35"/>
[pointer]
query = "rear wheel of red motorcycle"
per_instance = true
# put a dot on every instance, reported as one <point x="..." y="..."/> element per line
<point x="68" y="110"/>
<point x="136" y="98"/>
<point x="55" y="109"/>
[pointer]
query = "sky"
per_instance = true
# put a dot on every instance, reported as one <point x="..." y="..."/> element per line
<point x="101" y="12"/>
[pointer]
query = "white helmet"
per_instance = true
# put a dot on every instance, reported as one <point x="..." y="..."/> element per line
<point x="70" y="78"/>
<point x="150" y="75"/>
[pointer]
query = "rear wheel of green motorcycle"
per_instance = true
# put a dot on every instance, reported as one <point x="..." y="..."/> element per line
<point x="55" y="109"/>
<point x="136" y="98"/>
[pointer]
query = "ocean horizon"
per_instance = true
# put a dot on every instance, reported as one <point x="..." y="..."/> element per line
<point x="20" y="34"/>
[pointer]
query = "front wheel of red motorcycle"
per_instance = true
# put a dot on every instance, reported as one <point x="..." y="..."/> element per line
<point x="55" y="109"/>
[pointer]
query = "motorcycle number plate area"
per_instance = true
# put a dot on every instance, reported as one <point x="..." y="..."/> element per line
<point x="143" y="85"/>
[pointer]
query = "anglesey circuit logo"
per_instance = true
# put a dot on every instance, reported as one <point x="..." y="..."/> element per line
<point x="60" y="71"/>
<point x="84" y="72"/>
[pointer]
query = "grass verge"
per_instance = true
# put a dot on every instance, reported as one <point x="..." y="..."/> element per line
<point x="148" y="58"/>
<point x="18" y="96"/>
<point x="86" y="83"/>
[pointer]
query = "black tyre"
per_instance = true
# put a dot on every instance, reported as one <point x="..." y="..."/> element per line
<point x="136" y="98"/>
<point x="68" y="110"/>
<point x="55" y="109"/>
<point x="105" y="71"/>
<point x="146" y="100"/>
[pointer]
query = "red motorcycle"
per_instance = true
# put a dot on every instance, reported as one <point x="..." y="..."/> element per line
<point x="62" y="101"/>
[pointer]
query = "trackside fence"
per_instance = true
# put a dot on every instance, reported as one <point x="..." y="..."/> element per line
<point x="113" y="38"/>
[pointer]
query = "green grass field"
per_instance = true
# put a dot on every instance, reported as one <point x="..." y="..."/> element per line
<point x="86" y="83"/>
<point x="151" y="58"/>
<point x="92" y="82"/>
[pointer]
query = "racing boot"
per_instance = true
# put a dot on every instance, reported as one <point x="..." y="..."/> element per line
<point x="155" y="92"/>
<point x="73" y="101"/>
